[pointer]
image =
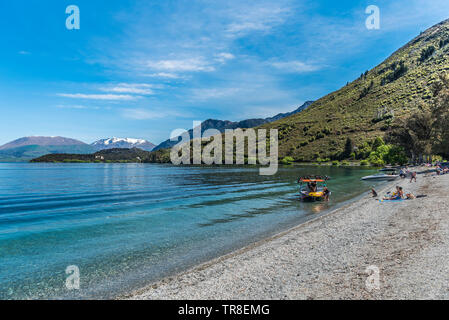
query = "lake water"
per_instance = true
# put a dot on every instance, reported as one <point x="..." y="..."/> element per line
<point x="125" y="225"/>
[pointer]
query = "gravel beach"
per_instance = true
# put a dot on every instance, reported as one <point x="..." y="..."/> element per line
<point x="327" y="258"/>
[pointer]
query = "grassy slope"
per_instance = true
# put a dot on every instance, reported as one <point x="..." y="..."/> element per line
<point x="324" y="127"/>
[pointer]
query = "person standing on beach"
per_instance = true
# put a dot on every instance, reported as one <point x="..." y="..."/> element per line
<point x="413" y="177"/>
<point x="326" y="193"/>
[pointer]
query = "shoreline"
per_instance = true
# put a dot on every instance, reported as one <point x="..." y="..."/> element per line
<point x="327" y="257"/>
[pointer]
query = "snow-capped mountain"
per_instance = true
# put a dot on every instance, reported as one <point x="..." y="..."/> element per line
<point x="111" y="143"/>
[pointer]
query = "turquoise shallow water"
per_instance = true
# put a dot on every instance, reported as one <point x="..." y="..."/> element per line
<point x="125" y="225"/>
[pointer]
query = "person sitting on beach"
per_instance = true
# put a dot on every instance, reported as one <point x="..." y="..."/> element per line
<point x="398" y="195"/>
<point x="413" y="177"/>
<point x="374" y="193"/>
<point x="395" y="193"/>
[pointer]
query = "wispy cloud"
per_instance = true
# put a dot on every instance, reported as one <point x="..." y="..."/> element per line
<point x="134" y="88"/>
<point x="257" y="17"/>
<point x="74" y="107"/>
<point x="164" y="75"/>
<point x="209" y="32"/>
<point x="140" y="114"/>
<point x="214" y="93"/>
<point x="395" y="16"/>
<point x="181" y="65"/>
<point x="97" y="96"/>
<point x="295" y="66"/>
<point x="24" y="53"/>
<point x="224" y="56"/>
<point x="147" y="114"/>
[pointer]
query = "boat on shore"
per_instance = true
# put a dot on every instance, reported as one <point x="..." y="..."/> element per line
<point x="385" y="174"/>
<point x="390" y="169"/>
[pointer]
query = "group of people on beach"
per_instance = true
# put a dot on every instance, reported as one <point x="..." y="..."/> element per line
<point x="441" y="170"/>
<point x="404" y="172"/>
<point x="396" y="195"/>
<point x="399" y="195"/>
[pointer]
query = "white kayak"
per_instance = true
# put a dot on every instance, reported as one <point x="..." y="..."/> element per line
<point x="382" y="176"/>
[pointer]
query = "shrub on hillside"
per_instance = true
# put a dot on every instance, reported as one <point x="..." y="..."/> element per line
<point x="287" y="160"/>
<point x="398" y="71"/>
<point x="426" y="53"/>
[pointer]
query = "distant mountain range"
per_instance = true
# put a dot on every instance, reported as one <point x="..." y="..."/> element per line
<point x="288" y="114"/>
<point x="222" y="125"/>
<point x="27" y="148"/>
<point x="124" y="143"/>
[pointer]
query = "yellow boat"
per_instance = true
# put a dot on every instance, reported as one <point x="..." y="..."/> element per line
<point x="312" y="188"/>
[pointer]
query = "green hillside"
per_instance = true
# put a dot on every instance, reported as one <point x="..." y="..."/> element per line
<point x="367" y="107"/>
<point x="358" y="115"/>
<point x="133" y="155"/>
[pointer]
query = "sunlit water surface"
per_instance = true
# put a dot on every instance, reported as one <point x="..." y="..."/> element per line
<point x="126" y="225"/>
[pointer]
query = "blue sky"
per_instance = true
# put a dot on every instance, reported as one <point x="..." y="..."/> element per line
<point x="141" y="69"/>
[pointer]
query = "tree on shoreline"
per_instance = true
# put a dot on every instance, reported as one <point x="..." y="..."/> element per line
<point x="349" y="148"/>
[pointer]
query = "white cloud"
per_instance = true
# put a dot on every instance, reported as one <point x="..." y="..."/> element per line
<point x="186" y="40"/>
<point x="261" y="17"/>
<point x="136" y="88"/>
<point x="145" y="114"/>
<point x="98" y="96"/>
<point x="239" y="28"/>
<point x="24" y="52"/>
<point x="295" y="66"/>
<point x="224" y="56"/>
<point x="215" y="93"/>
<point x="140" y="114"/>
<point x="181" y="65"/>
<point x="74" y="107"/>
<point x="164" y="75"/>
